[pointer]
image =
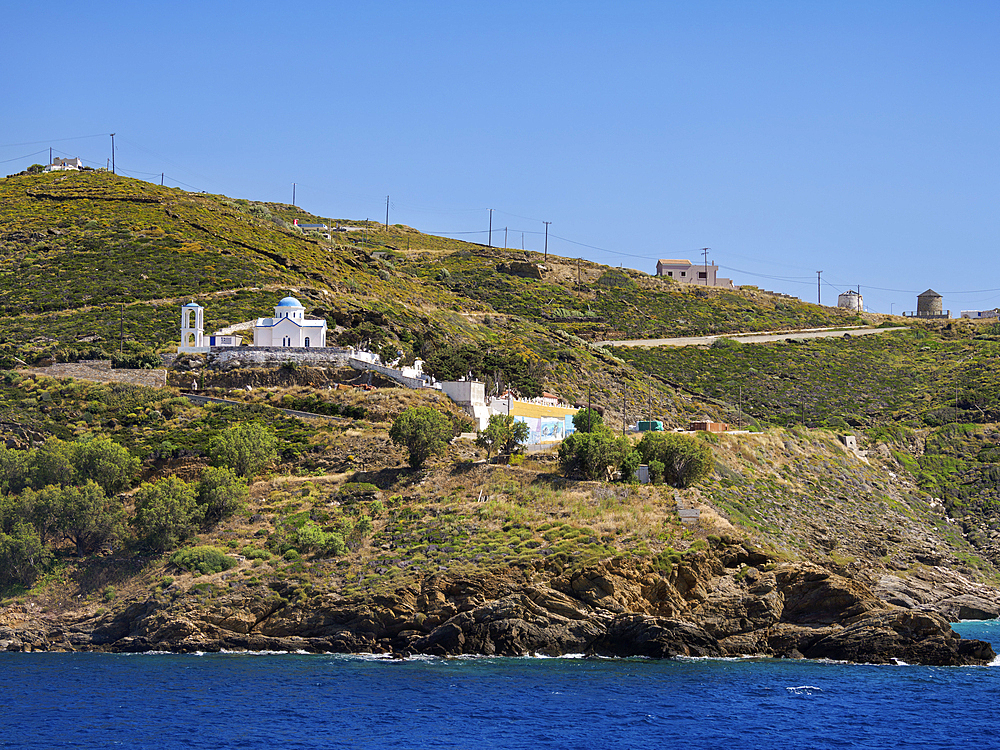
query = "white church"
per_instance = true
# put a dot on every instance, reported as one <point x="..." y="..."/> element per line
<point x="289" y="328"/>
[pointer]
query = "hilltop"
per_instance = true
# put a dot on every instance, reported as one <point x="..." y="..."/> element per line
<point x="787" y="515"/>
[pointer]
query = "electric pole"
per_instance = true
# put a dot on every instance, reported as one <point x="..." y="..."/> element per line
<point x="704" y="253"/>
<point x="387" y="213"/>
<point x="490" y="244"/>
<point x="50" y="155"/>
<point x="113" y="154"/>
<point x="293" y="193"/>
<point x="505" y="238"/>
<point x="161" y="179"/>
<point x="546" y="223"/>
<point x="624" y="394"/>
<point x="819" y="291"/>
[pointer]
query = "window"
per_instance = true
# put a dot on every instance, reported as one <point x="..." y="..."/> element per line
<point x="702" y="274"/>
<point x="670" y="273"/>
<point x="307" y="342"/>
<point x="684" y="273"/>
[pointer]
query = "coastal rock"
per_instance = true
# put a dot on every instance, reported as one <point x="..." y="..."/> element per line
<point x="730" y="600"/>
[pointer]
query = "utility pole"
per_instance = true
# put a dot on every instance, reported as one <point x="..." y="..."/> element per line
<point x="546" y="223"/>
<point x="704" y="253"/>
<point x="491" y="228"/>
<point x="161" y="179"/>
<point x="50" y="155"/>
<point x="387" y="213"/>
<point x="624" y="394"/>
<point x="522" y="242"/>
<point x="578" y="260"/>
<point x="293" y="193"/>
<point x="113" y="154"/>
<point x="819" y="291"/>
<point x="505" y="238"/>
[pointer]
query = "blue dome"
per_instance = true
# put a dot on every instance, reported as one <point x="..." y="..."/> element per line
<point x="289" y="302"/>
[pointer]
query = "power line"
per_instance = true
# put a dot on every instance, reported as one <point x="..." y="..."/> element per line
<point x="53" y="140"/>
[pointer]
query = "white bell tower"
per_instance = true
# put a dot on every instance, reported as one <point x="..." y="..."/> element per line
<point x="192" y="328"/>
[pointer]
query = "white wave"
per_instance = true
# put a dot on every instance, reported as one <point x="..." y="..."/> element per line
<point x="804" y="690"/>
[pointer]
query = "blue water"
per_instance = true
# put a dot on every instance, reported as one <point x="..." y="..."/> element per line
<point x="310" y="701"/>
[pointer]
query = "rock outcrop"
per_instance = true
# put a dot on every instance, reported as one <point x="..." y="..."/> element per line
<point x="723" y="602"/>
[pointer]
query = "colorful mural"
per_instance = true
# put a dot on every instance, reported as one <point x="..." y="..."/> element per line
<point x="547" y="429"/>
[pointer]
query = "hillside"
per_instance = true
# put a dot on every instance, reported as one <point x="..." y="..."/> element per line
<point x="87" y="257"/>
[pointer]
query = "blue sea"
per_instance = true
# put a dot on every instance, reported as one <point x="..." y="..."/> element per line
<point x="313" y="701"/>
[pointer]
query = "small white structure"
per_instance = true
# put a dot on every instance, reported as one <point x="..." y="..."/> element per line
<point x="684" y="271"/>
<point x="289" y="328"/>
<point x="981" y="314"/>
<point x="192" y="328"/>
<point x="193" y="338"/>
<point x="471" y="396"/>
<point x="61" y="165"/>
<point x="851" y="300"/>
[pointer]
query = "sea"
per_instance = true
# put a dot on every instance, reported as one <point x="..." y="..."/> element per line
<point x="287" y="700"/>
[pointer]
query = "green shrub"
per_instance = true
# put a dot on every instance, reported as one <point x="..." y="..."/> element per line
<point x="205" y="560"/>
<point x="686" y="460"/>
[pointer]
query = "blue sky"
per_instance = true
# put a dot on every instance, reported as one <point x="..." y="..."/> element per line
<point x="854" y="138"/>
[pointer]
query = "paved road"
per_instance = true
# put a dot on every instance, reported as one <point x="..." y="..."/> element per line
<point x="753" y="338"/>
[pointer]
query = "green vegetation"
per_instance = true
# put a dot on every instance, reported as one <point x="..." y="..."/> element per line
<point x="423" y="431"/>
<point x="917" y="378"/>
<point x="246" y="448"/>
<point x="596" y="454"/>
<point x="204" y="559"/>
<point x="682" y="461"/>
<point x="504" y="433"/>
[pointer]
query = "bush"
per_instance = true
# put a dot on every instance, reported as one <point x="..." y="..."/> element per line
<point x="656" y="471"/>
<point x="504" y="433"/>
<point x="23" y="556"/>
<point x="246" y="448"/>
<point x="423" y="431"/>
<point x="166" y="512"/>
<point x="686" y="461"/>
<point x="587" y="420"/>
<point x="221" y="493"/>
<point x="205" y="560"/>
<point x="593" y="454"/>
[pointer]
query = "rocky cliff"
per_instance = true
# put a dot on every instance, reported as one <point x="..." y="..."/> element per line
<point x="727" y="601"/>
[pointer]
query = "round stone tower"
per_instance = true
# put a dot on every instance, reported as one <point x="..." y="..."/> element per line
<point x="929" y="304"/>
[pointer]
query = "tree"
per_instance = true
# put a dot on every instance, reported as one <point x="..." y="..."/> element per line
<point x="87" y="517"/>
<point x="221" y="493"/>
<point x="14" y="469"/>
<point x="594" y="455"/>
<point x="587" y="420"/>
<point x="52" y="463"/>
<point x="423" y="431"/>
<point x="686" y="460"/>
<point x="105" y="462"/>
<point x="503" y="433"/>
<point x="166" y="512"/>
<point x="246" y="448"/>
<point x="23" y="556"/>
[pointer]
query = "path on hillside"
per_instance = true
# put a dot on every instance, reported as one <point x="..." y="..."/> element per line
<point x="754" y="338"/>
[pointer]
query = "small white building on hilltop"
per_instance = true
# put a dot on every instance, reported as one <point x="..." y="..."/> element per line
<point x="61" y="165"/>
<point x="289" y="327"/>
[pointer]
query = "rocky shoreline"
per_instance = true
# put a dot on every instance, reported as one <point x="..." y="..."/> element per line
<point x="728" y="601"/>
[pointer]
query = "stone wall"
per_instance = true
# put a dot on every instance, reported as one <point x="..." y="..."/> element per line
<point x="250" y="356"/>
<point x="100" y="371"/>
